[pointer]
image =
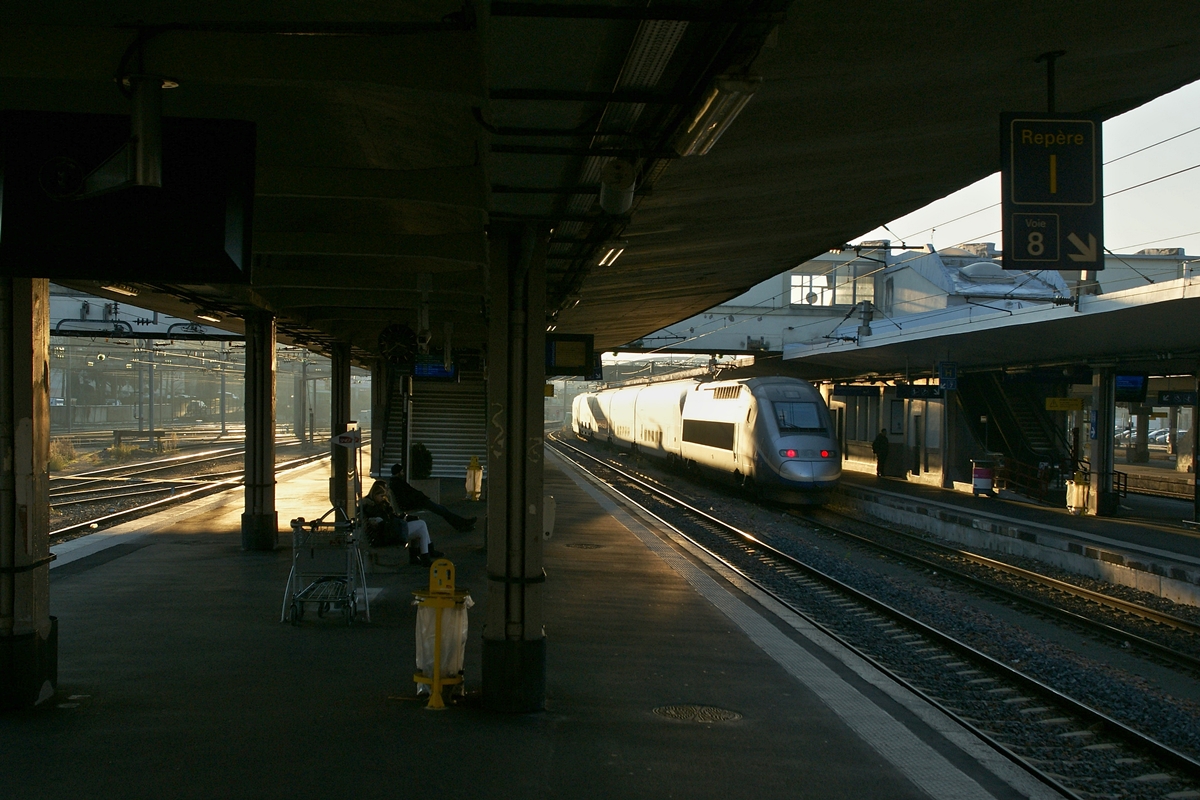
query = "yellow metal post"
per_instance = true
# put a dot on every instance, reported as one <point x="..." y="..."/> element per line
<point x="441" y="594"/>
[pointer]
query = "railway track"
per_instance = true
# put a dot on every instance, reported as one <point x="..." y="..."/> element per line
<point x="1181" y="652"/>
<point x="1075" y="747"/>
<point x="179" y="490"/>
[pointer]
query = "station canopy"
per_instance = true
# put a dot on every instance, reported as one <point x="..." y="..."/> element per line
<point x="391" y="137"/>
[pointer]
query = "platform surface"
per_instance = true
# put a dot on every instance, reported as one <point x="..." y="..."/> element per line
<point x="1142" y="522"/>
<point x="178" y="680"/>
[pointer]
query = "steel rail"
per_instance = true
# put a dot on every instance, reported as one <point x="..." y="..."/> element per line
<point x="146" y="467"/>
<point x="196" y="493"/>
<point x="1160" y="749"/>
<point x="101" y="498"/>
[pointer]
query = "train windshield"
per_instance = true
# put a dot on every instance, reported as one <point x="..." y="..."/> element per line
<point x="798" y="418"/>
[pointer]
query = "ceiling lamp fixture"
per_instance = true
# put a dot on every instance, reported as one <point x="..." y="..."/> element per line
<point x="208" y="316"/>
<point x="617" y="182"/>
<point x="611" y="257"/>
<point x="724" y="101"/>
<point x="120" y="288"/>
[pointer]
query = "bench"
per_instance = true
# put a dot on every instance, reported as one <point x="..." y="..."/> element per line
<point x="119" y="436"/>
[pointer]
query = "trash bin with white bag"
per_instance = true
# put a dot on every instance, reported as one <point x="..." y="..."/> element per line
<point x="441" y="633"/>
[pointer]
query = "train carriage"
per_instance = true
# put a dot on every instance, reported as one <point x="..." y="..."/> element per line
<point x="774" y="434"/>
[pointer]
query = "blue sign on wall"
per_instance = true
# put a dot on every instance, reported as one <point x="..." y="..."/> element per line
<point x="948" y="375"/>
<point x="1176" y="399"/>
<point x="910" y="392"/>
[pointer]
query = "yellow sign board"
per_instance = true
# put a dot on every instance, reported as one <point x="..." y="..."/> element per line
<point x="548" y="390"/>
<point x="1064" y="404"/>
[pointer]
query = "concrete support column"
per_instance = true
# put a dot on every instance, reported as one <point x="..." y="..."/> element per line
<point x="1102" y="500"/>
<point x="260" y="521"/>
<point x="341" y="491"/>
<point x="28" y="634"/>
<point x="1194" y="433"/>
<point x="514" y="643"/>
<point x="1141" y="442"/>
<point x="950" y="454"/>
<point x="380" y="375"/>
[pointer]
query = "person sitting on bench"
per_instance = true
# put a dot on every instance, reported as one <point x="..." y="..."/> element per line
<point x="386" y="528"/>
<point x="411" y="499"/>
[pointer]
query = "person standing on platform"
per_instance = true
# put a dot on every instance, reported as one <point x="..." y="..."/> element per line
<point x="410" y="499"/>
<point x="880" y="448"/>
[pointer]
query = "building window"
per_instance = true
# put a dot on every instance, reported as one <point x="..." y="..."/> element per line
<point x="842" y="285"/>
<point x="811" y="290"/>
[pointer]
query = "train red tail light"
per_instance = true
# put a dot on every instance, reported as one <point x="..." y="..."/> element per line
<point x="788" y="453"/>
<point x="824" y="454"/>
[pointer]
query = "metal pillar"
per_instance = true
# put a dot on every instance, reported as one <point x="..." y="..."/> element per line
<point x="299" y="392"/>
<point x="224" y="367"/>
<point x="514" y="643"/>
<point x="150" y="374"/>
<point x="408" y="418"/>
<point x="1102" y="500"/>
<point x="28" y="634"/>
<point x="68" y="387"/>
<point x="260" y="521"/>
<point x="341" y="491"/>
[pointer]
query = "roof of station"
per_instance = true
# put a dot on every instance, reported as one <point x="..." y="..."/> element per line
<point x="391" y="135"/>
<point x="1148" y="328"/>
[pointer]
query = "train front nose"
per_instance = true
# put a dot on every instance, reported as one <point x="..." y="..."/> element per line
<point x="809" y="471"/>
<point x="811" y="465"/>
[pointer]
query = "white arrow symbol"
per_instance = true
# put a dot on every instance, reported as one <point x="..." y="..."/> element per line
<point x="1086" y="252"/>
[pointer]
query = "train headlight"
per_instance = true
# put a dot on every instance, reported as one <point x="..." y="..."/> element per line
<point x="788" y="453"/>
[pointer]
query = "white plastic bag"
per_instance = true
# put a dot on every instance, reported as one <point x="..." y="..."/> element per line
<point x="454" y="640"/>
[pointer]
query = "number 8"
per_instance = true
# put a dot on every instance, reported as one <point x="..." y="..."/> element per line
<point x="1036" y="247"/>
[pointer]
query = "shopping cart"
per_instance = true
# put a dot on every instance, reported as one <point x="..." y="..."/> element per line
<point x="327" y="569"/>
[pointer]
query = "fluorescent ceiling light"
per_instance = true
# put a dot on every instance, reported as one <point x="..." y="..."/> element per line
<point x="724" y="101"/>
<point x="208" y="316"/>
<point x="120" y="288"/>
<point x="611" y="257"/>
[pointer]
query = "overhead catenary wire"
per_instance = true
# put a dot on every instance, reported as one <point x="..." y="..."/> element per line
<point x="1106" y="163"/>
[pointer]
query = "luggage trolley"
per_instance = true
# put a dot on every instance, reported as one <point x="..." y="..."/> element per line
<point x="327" y="569"/>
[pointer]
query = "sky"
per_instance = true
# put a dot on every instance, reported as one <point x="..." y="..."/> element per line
<point x="1165" y="213"/>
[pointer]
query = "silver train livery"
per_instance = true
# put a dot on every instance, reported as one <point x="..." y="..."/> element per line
<point x="774" y="435"/>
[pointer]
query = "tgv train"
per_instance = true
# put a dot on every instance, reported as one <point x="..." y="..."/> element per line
<point x="773" y="435"/>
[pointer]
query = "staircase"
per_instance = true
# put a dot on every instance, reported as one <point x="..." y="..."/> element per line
<point x="1036" y="452"/>
<point x="1031" y="421"/>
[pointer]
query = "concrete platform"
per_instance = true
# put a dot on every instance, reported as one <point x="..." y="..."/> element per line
<point x="177" y="680"/>
<point x="1146" y="546"/>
